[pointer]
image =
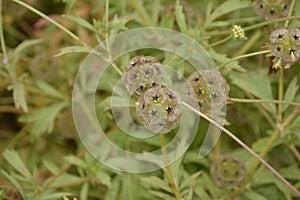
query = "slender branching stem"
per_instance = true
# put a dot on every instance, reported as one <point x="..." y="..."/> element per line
<point x="2" y="40"/>
<point x="244" y="56"/>
<point x="236" y="100"/>
<point x="34" y="10"/>
<point x="168" y="169"/>
<point x="258" y="157"/>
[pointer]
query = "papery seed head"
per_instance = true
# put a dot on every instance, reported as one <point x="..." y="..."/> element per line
<point x="206" y="91"/>
<point x="228" y="171"/>
<point x="271" y="9"/>
<point x="159" y="109"/>
<point x="285" y="46"/>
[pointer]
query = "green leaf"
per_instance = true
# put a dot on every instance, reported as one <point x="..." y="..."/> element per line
<point x="161" y="195"/>
<point x="251" y="195"/>
<point x="51" y="167"/>
<point x="76" y="49"/>
<point x="167" y="21"/>
<point x="227" y="7"/>
<point x="155" y="182"/>
<point x="84" y="191"/>
<point x="25" y="46"/>
<point x="190" y="194"/>
<point x="43" y="120"/>
<point x="58" y="195"/>
<point x="65" y="180"/>
<point x="15" y="183"/>
<point x="190" y="180"/>
<point x="16" y="162"/>
<point x="292" y="173"/>
<point x="19" y="96"/>
<point x="256" y="83"/>
<point x="222" y="59"/>
<point x="82" y="22"/>
<point x="290" y="92"/>
<point x="76" y="161"/>
<point x="103" y="178"/>
<point x="49" y="89"/>
<point x="180" y="17"/>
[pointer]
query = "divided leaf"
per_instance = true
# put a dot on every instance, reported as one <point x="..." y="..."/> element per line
<point x="256" y="83"/>
<point x="43" y="120"/>
<point x="16" y="162"/>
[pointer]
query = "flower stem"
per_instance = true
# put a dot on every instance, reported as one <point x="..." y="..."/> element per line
<point x="3" y="46"/>
<point x="168" y="169"/>
<point x="75" y="37"/>
<point x="290" y="13"/>
<point x="256" y="25"/>
<point x="236" y="100"/>
<point x="221" y="41"/>
<point x="244" y="56"/>
<point x="258" y="157"/>
<point x="280" y="94"/>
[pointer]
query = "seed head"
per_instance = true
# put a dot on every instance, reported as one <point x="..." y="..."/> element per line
<point x="159" y="109"/>
<point x="206" y="90"/>
<point x="271" y="9"/>
<point x="285" y="46"/>
<point x="228" y="171"/>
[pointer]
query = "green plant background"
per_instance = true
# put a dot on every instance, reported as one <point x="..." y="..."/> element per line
<point x="43" y="43"/>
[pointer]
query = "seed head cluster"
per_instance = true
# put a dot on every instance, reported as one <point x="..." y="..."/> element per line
<point x="158" y="106"/>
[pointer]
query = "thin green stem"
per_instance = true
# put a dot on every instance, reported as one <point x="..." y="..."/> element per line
<point x="255" y="25"/>
<point x="266" y="149"/>
<point x="290" y="12"/>
<point x="243" y="56"/>
<point x="258" y="157"/>
<point x="221" y="41"/>
<point x="168" y="169"/>
<point x="236" y="100"/>
<point x="106" y="17"/>
<point x="295" y="152"/>
<point x="75" y="37"/>
<point x="249" y="43"/>
<point x="280" y="94"/>
<point x="3" y="46"/>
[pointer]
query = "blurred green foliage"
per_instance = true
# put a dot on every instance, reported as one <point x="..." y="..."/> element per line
<point x="42" y="156"/>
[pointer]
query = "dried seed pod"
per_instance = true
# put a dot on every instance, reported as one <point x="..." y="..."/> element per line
<point x="228" y="171"/>
<point x="207" y="90"/>
<point x="271" y="9"/>
<point x="285" y="46"/>
<point x="159" y="109"/>
<point x="142" y="73"/>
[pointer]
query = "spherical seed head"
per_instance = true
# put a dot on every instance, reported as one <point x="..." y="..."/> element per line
<point x="271" y="9"/>
<point x="142" y="73"/>
<point x="285" y="46"/>
<point x="228" y="171"/>
<point x="159" y="109"/>
<point x="206" y="91"/>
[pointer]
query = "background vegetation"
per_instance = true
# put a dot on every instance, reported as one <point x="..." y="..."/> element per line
<point x="43" y="43"/>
